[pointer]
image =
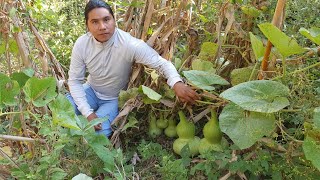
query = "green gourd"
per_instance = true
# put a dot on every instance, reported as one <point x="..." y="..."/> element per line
<point x="185" y="129"/>
<point x="186" y="133"/>
<point x="212" y="135"/>
<point x="171" y="131"/>
<point x="162" y="123"/>
<point x="154" y="131"/>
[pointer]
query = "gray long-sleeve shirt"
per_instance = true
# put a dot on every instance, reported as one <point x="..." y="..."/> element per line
<point x="109" y="66"/>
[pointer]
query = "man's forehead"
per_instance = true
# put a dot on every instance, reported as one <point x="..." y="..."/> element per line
<point x="99" y="13"/>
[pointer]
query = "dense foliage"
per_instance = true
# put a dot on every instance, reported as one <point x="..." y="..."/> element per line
<point x="261" y="129"/>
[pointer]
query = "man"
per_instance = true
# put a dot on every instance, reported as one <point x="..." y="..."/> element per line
<point x="107" y="54"/>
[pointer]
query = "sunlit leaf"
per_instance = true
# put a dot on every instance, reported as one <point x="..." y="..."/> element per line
<point x="200" y="65"/>
<point x="311" y="149"/>
<point x="261" y="96"/>
<point x="40" y="91"/>
<point x="286" y="46"/>
<point x="204" y="80"/>
<point x="9" y="89"/>
<point x="208" y="51"/>
<point x="241" y="75"/>
<point x="257" y="46"/>
<point x="250" y="11"/>
<point x="245" y="127"/>
<point x="63" y="112"/>
<point x="82" y="177"/>
<point x="313" y="34"/>
<point x="150" y="93"/>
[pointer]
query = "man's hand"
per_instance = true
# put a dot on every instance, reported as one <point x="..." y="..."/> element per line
<point x="185" y="93"/>
<point x="93" y="116"/>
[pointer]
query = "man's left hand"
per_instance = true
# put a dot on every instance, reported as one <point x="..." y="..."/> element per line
<point x="185" y="93"/>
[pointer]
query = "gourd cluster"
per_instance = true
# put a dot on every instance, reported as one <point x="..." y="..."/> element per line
<point x="185" y="131"/>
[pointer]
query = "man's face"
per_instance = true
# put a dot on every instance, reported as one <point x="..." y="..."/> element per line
<point x="101" y="24"/>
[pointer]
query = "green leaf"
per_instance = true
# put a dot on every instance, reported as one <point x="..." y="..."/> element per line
<point x="261" y="96"/>
<point x="9" y="89"/>
<point x="200" y="65"/>
<point x="208" y="51"/>
<point x="63" y="113"/>
<point x="95" y="122"/>
<point x="132" y="121"/>
<point x="250" y="11"/>
<point x="40" y="91"/>
<point x="316" y="117"/>
<point x="204" y="80"/>
<point x="20" y="77"/>
<point x="2" y="47"/>
<point x="28" y="71"/>
<point x="257" y="46"/>
<point x="245" y="127"/>
<point x="82" y="177"/>
<point x="124" y="96"/>
<point x="241" y="75"/>
<point x="150" y="93"/>
<point x="287" y="46"/>
<point x="13" y="46"/>
<point x="311" y="149"/>
<point x="313" y="34"/>
<point x="57" y="173"/>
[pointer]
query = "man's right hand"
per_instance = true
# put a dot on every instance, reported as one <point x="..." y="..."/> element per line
<point x="93" y="116"/>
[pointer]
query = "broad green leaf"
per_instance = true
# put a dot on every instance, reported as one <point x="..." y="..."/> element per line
<point x="204" y="80"/>
<point x="124" y="96"/>
<point x="13" y="46"/>
<point x="316" y="117"/>
<point x="311" y="149"/>
<point x="28" y="71"/>
<point x="63" y="113"/>
<point x="245" y="127"/>
<point x="200" y="65"/>
<point x="287" y="46"/>
<point x="177" y="63"/>
<point x="250" y="11"/>
<point x="57" y="173"/>
<point x="241" y="75"/>
<point x="20" y="77"/>
<point x="40" y="91"/>
<point x="82" y="177"/>
<point x="313" y="34"/>
<point x="95" y="122"/>
<point x="257" y="46"/>
<point x="261" y="96"/>
<point x="208" y="51"/>
<point x="150" y="93"/>
<point x="9" y="89"/>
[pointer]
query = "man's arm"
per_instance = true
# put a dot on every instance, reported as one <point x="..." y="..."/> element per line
<point x="144" y="54"/>
<point x="76" y="77"/>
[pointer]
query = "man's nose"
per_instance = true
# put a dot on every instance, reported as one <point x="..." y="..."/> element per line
<point x="102" y="25"/>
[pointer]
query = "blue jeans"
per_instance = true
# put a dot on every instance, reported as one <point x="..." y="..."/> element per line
<point x="102" y="108"/>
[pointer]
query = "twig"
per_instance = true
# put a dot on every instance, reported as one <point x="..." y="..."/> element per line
<point x="19" y="138"/>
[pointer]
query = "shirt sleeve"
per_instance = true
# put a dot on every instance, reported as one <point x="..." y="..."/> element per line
<point x="146" y="55"/>
<point x="76" y="78"/>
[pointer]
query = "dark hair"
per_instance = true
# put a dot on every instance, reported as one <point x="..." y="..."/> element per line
<point x="92" y="4"/>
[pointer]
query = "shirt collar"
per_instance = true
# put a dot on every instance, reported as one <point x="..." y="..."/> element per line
<point x="112" y="41"/>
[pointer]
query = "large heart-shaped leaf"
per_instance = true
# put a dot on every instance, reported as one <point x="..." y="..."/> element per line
<point x="63" y="112"/>
<point x="287" y="46"/>
<point x="9" y="89"/>
<point x="311" y="149"/>
<point x="203" y="79"/>
<point x="245" y="127"/>
<point x="40" y="91"/>
<point x="257" y="46"/>
<point x="82" y="177"/>
<point x="261" y="96"/>
<point x="313" y="34"/>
